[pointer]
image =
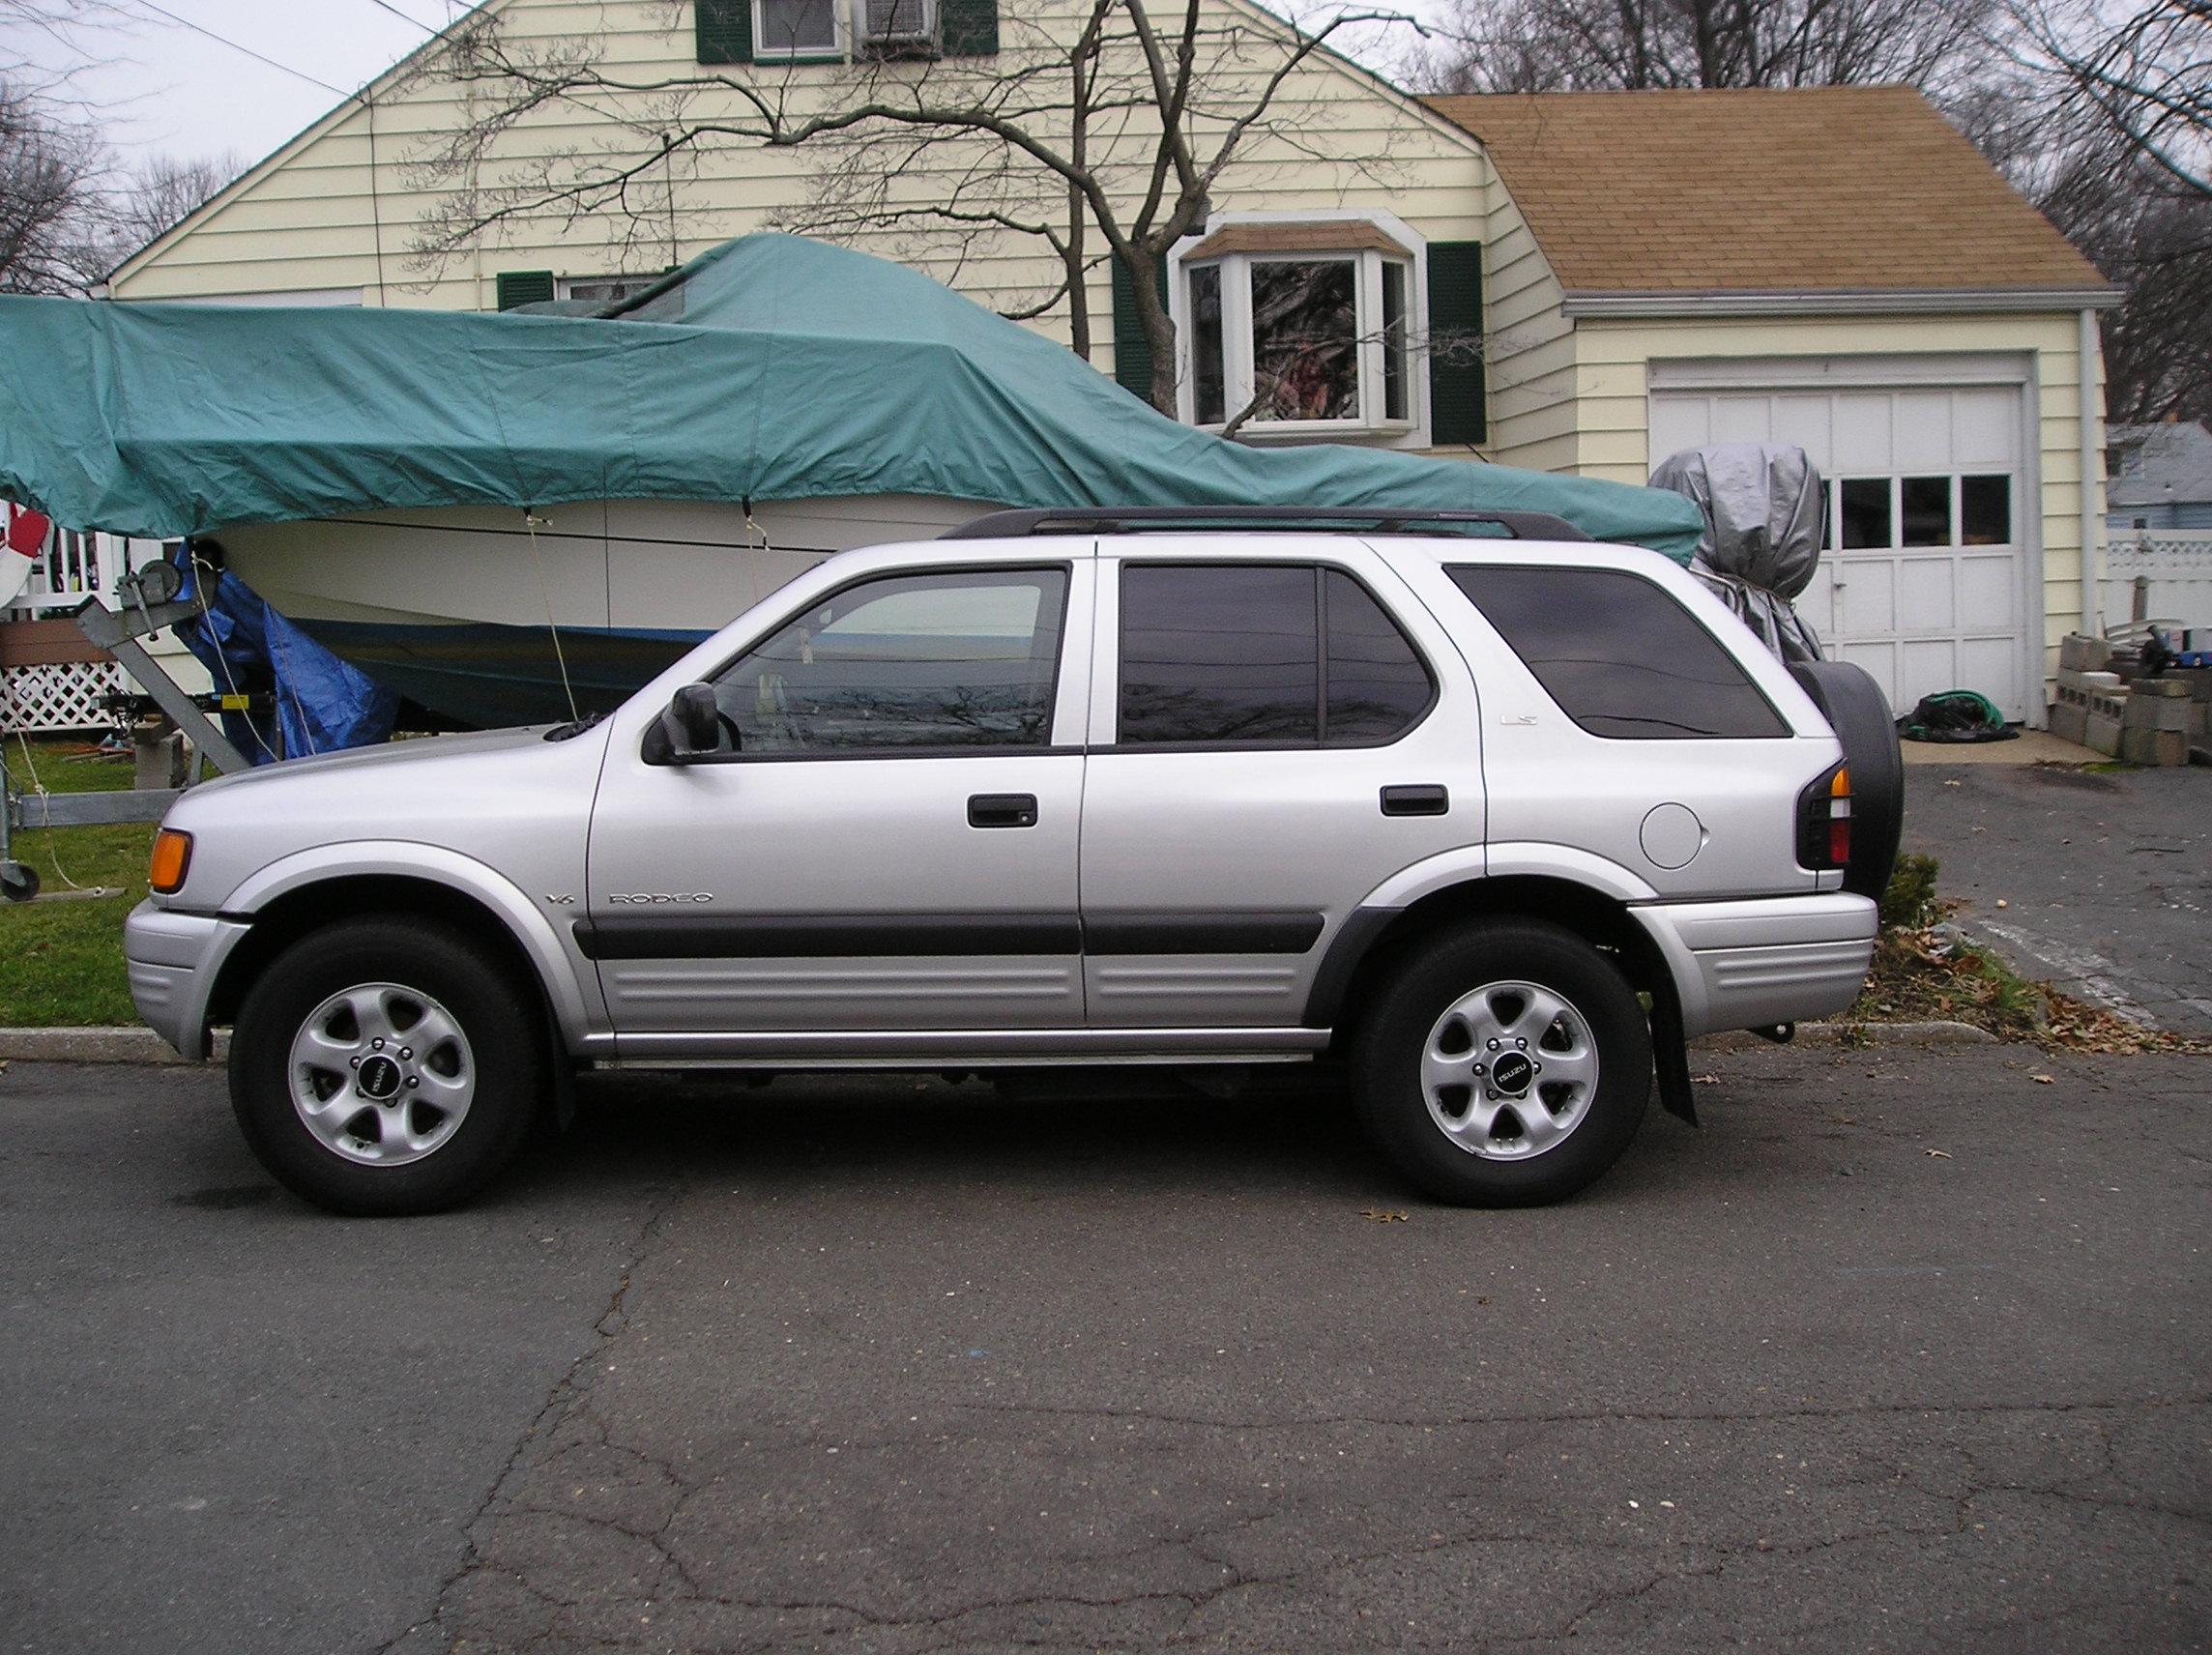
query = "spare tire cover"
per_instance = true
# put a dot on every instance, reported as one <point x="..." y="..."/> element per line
<point x="1858" y="713"/>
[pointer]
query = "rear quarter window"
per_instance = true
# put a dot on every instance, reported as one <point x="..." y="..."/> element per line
<point x="1620" y="654"/>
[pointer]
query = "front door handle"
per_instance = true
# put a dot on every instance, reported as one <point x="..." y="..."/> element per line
<point x="1002" y="810"/>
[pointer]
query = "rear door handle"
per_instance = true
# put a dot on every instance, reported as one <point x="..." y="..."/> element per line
<point x="1002" y="810"/>
<point x="1422" y="800"/>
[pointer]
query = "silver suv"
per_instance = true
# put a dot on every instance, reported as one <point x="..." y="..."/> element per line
<point x="1492" y="814"/>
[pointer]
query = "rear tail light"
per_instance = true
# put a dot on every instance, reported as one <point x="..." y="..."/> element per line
<point x="1825" y="820"/>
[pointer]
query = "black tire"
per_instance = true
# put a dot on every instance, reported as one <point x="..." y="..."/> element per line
<point x="1859" y="713"/>
<point x="19" y="881"/>
<point x="1411" y="1002"/>
<point x="499" y="1016"/>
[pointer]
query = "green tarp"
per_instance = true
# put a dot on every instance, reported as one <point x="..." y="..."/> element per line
<point x="771" y="367"/>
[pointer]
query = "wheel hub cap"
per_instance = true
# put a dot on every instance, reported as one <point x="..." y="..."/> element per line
<point x="1509" y="1070"/>
<point x="382" y="1074"/>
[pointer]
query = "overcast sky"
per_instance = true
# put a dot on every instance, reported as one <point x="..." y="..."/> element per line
<point x="169" y="87"/>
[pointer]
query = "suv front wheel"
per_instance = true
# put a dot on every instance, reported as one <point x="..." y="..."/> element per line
<point x="383" y="1067"/>
<point x="1503" y="1064"/>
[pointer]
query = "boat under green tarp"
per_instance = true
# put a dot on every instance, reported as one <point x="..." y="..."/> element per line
<point x="771" y="367"/>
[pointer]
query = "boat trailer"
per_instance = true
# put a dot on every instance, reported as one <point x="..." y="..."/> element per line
<point x="150" y="600"/>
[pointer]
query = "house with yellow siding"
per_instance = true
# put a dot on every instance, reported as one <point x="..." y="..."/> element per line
<point x="1581" y="284"/>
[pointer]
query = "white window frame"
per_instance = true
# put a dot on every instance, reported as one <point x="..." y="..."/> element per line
<point x="565" y="286"/>
<point x="1410" y="431"/>
<point x="840" y="46"/>
<point x="927" y="42"/>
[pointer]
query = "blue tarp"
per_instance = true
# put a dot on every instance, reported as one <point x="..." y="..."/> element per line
<point x="321" y="703"/>
<point x="769" y="368"/>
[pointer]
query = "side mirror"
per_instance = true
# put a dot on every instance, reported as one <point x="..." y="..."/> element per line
<point x="692" y="723"/>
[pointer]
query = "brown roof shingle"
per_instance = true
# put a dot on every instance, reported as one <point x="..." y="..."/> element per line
<point x="1845" y="188"/>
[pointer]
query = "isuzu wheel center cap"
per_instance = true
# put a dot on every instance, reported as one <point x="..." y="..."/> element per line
<point x="1511" y="1073"/>
<point x="379" y="1078"/>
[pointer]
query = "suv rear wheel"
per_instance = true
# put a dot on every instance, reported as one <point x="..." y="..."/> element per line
<point x="384" y="1067"/>
<point x="1506" y="1064"/>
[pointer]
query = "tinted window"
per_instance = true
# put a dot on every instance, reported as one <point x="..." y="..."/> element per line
<point x="1377" y="685"/>
<point x="1219" y="654"/>
<point x="1619" y="655"/>
<point x="936" y="661"/>
<point x="1236" y="653"/>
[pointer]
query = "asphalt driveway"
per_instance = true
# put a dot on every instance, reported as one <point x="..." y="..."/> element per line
<point x="1906" y="1351"/>
<point x="2099" y="882"/>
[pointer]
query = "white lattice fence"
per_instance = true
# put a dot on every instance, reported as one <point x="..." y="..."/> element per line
<point x="2177" y="564"/>
<point x="50" y="699"/>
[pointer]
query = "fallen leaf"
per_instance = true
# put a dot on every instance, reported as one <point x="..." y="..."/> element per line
<point x="1706" y="1080"/>
<point x="2043" y="1080"/>
<point x="1384" y="1215"/>
<point x="1940" y="1155"/>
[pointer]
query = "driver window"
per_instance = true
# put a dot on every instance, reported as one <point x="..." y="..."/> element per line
<point x="911" y="660"/>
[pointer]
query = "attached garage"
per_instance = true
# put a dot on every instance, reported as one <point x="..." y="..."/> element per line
<point x="1931" y="574"/>
<point x="1835" y="268"/>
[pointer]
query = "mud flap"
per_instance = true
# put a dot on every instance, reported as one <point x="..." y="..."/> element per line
<point x="1671" y="1057"/>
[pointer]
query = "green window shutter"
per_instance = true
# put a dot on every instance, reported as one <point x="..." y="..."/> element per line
<point x="524" y="287"/>
<point x="969" y="28"/>
<point x="724" y="30"/>
<point x="1457" y="411"/>
<point x="1133" y="353"/>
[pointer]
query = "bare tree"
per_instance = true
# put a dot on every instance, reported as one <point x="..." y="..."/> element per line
<point x="53" y="197"/>
<point x="1102" y="142"/>
<point x="1557" y="45"/>
<point x="161" y="193"/>
<point x="2141" y="68"/>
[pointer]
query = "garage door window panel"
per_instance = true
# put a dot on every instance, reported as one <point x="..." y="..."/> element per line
<point x="952" y="661"/>
<point x="1924" y="516"/>
<point x="1620" y="655"/>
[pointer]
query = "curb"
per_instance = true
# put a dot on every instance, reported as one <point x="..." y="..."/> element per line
<point x="103" y="1045"/>
<point x="1935" y="1033"/>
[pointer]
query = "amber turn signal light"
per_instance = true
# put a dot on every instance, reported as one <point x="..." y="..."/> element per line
<point x="172" y="858"/>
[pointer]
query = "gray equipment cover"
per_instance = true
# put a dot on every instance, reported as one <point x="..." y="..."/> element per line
<point x="1763" y="511"/>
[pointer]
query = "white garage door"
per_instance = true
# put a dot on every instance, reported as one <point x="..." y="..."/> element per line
<point x="1924" y="581"/>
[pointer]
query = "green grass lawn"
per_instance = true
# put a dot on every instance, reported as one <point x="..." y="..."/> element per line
<point x="62" y="962"/>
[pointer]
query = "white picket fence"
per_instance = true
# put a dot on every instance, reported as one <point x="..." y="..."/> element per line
<point x="2177" y="564"/>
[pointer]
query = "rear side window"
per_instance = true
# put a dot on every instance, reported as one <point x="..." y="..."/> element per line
<point x="1257" y="654"/>
<point x="1620" y="654"/>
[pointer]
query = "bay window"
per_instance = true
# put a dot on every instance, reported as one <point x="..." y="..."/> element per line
<point x="1299" y="330"/>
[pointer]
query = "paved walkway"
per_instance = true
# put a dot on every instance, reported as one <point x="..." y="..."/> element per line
<point x="2098" y="882"/>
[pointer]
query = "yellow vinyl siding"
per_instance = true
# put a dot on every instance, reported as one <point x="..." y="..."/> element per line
<point x="310" y="216"/>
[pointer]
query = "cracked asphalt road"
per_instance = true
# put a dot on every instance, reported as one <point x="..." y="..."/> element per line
<point x="2106" y="877"/>
<point x="895" y="1366"/>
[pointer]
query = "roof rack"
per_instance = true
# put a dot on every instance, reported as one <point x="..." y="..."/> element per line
<point x="1267" y="519"/>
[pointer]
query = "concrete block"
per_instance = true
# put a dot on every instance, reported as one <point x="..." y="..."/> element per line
<point x="2078" y="652"/>
<point x="2069" y="723"/>
<point x="2159" y="712"/>
<point x="2103" y="734"/>
<point x="2170" y="688"/>
<point x="2154" y="747"/>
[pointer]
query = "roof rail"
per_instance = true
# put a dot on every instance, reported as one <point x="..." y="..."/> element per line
<point x="1266" y="519"/>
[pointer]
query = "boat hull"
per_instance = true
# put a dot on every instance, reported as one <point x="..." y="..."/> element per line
<point x="457" y="609"/>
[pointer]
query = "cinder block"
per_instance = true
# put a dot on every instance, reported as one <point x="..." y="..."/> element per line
<point x="2170" y="687"/>
<point x="2106" y="682"/>
<point x="2069" y="723"/>
<point x="2154" y="747"/>
<point x="2158" y="712"/>
<point x="2078" y="652"/>
<point x="2103" y="734"/>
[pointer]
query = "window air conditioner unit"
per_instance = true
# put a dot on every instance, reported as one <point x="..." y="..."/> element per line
<point x="899" y="25"/>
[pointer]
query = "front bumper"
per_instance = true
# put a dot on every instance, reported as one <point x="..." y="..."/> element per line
<point x="1747" y="964"/>
<point x="173" y="959"/>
